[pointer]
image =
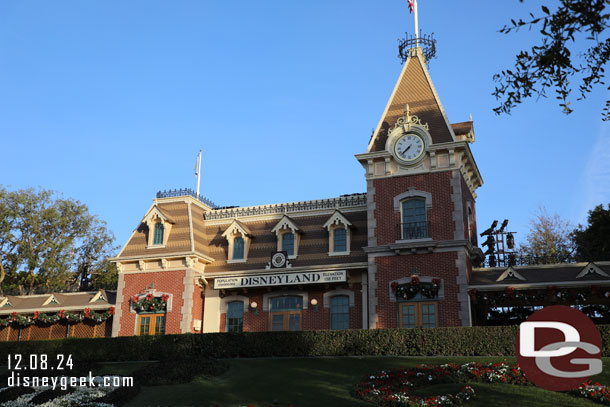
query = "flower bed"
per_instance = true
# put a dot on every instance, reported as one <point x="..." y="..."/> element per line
<point x="75" y="397"/>
<point x="394" y="387"/>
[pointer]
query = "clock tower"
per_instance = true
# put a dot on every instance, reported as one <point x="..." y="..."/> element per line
<point x="421" y="189"/>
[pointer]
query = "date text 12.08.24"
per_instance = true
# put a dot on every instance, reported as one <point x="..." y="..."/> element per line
<point x="39" y="362"/>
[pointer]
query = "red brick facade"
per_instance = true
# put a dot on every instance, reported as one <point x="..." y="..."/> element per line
<point x="166" y="282"/>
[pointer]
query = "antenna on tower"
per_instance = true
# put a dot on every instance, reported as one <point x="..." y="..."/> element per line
<point x="426" y="42"/>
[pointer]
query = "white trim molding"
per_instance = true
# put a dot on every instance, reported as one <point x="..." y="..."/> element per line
<point x="412" y="192"/>
<point x="237" y="229"/>
<point x="592" y="268"/>
<point x="339" y="291"/>
<point x="272" y="294"/>
<point x="510" y="273"/>
<point x="287" y="225"/>
<point x="338" y="221"/>
<point x="224" y="303"/>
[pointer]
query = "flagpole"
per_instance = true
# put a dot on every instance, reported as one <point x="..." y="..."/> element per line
<point x="198" y="172"/>
<point x="416" y="23"/>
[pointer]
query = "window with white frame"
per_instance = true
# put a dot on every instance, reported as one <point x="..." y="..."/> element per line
<point x="158" y="236"/>
<point x="238" y="237"/>
<point x="159" y="226"/>
<point x="414" y="224"/>
<point x="288" y="236"/>
<point x="339" y="234"/>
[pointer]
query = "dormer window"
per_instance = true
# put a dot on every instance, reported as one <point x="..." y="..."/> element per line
<point x="339" y="240"/>
<point x="238" y="237"/>
<point x="158" y="237"/>
<point x="238" y="248"/>
<point x="159" y="226"/>
<point x="288" y="236"/>
<point x="339" y="234"/>
<point x="288" y="243"/>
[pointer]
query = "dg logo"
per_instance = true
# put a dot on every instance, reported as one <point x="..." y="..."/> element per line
<point x="559" y="348"/>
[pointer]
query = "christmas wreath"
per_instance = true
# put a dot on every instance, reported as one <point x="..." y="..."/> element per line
<point x="149" y="303"/>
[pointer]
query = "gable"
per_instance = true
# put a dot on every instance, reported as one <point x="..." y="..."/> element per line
<point x="414" y="88"/>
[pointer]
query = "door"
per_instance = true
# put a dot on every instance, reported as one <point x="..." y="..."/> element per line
<point x="417" y="314"/>
<point x="285" y="313"/>
<point x="151" y="324"/>
<point x="286" y="321"/>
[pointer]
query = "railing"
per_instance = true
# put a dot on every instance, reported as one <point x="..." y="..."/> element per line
<point x="183" y="192"/>
<point x="344" y="201"/>
<point x="413" y="230"/>
<point x="517" y="259"/>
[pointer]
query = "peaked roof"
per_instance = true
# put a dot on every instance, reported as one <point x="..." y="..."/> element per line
<point x="415" y="88"/>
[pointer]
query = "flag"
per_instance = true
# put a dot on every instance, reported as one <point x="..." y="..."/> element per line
<point x="197" y="164"/>
<point x="411" y="5"/>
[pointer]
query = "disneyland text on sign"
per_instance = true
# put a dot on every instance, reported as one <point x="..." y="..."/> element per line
<point x="314" y="277"/>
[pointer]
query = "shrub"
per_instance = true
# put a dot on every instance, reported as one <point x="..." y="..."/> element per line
<point x="459" y="341"/>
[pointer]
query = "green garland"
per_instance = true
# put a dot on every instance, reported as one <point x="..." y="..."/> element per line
<point x="24" y="320"/>
<point x="149" y="303"/>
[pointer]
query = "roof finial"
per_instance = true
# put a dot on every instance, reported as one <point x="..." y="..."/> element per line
<point x="470" y="116"/>
<point x="407" y="113"/>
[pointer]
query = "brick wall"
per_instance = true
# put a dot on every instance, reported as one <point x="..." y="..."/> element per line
<point x="440" y="222"/>
<point x="311" y="319"/>
<point x="167" y="282"/>
<point x="436" y="265"/>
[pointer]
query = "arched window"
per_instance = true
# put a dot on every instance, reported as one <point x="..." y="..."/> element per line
<point x="158" y="237"/>
<point x="238" y="248"/>
<point x="235" y="316"/>
<point x="288" y="243"/>
<point x="414" y="225"/>
<point x="339" y="312"/>
<point x="339" y="240"/>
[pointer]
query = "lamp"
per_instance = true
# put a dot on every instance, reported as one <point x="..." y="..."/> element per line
<point x="314" y="304"/>
<point x="254" y="307"/>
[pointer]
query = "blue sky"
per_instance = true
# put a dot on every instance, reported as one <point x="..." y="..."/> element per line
<point x="110" y="101"/>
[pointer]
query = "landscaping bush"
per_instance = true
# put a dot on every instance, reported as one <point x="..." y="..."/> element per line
<point x="459" y="341"/>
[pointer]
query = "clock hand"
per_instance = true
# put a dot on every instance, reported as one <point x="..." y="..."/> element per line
<point x="405" y="150"/>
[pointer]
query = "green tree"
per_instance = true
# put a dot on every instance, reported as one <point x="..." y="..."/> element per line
<point x="548" y="241"/>
<point x="570" y="48"/>
<point x="40" y="236"/>
<point x="593" y="242"/>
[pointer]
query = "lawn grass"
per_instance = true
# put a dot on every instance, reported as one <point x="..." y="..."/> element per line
<point x="304" y="382"/>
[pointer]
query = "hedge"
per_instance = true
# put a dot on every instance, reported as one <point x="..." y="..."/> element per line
<point x="462" y="341"/>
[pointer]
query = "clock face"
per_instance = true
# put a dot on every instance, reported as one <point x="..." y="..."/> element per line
<point x="278" y="259"/>
<point x="409" y="147"/>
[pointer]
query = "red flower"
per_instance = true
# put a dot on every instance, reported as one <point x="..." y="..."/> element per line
<point x="414" y="280"/>
<point x="164" y="297"/>
<point x="61" y="313"/>
<point x="149" y="297"/>
<point x="510" y="291"/>
<point x="14" y="315"/>
<point x="394" y="286"/>
<point x="436" y="281"/>
<point x="135" y="298"/>
<point x="36" y="313"/>
<point x="111" y="311"/>
<point x="87" y="312"/>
